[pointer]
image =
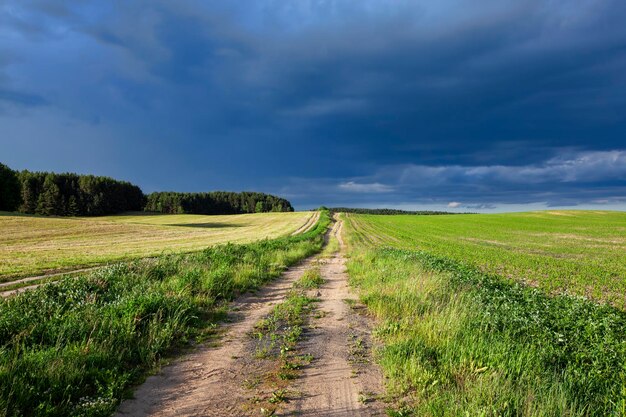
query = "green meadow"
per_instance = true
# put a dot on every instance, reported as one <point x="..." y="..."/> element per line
<point x="476" y="316"/>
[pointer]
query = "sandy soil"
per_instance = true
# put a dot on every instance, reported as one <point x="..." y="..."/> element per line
<point x="211" y="381"/>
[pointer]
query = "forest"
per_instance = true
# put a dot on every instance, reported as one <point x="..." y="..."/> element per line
<point x="68" y="194"/>
<point x="217" y="202"/>
<point x="51" y="194"/>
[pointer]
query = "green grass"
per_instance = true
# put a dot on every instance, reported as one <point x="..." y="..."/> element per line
<point x="577" y="252"/>
<point x="31" y="245"/>
<point x="332" y="247"/>
<point x="75" y="347"/>
<point x="311" y="278"/>
<point x="458" y="341"/>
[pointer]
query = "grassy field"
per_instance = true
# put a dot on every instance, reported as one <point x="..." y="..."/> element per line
<point x="579" y="252"/>
<point x="31" y="245"/>
<point x="74" y="348"/>
<point x="460" y="340"/>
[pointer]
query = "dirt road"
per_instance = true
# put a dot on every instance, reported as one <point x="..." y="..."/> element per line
<point x="212" y="381"/>
<point x="342" y="380"/>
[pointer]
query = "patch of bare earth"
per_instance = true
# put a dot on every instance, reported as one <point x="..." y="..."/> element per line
<point x="224" y="380"/>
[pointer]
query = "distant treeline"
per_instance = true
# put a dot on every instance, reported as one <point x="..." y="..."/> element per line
<point x="217" y="202"/>
<point x="386" y="211"/>
<point x="52" y="194"/>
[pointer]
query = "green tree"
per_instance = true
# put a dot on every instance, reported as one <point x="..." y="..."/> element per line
<point x="72" y="206"/>
<point x="49" y="202"/>
<point x="9" y="189"/>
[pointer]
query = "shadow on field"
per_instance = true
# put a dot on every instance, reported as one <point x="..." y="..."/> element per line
<point x="208" y="225"/>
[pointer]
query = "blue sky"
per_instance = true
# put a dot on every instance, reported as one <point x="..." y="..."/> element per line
<point x="455" y="104"/>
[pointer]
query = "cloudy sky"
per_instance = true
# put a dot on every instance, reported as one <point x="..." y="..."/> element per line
<point x="490" y="105"/>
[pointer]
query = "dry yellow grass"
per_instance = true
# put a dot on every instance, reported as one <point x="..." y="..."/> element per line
<point x="32" y="245"/>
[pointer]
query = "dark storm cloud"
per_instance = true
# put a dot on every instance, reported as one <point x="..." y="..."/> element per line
<point x="355" y="101"/>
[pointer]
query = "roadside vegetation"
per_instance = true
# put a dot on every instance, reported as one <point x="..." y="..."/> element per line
<point x="75" y="347"/>
<point x="31" y="245"/>
<point x="461" y="341"/>
<point x="573" y="252"/>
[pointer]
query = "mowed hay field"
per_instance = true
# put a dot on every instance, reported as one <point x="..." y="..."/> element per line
<point x="578" y="252"/>
<point x="31" y="245"/>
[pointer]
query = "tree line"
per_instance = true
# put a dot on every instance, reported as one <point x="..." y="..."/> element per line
<point x="216" y="202"/>
<point x="387" y="211"/>
<point x="67" y="194"/>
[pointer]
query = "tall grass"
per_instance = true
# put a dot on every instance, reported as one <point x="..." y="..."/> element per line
<point x="458" y="342"/>
<point x="75" y="347"/>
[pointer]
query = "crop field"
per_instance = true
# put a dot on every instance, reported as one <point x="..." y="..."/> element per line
<point x="31" y="245"/>
<point x="461" y="332"/>
<point x="578" y="252"/>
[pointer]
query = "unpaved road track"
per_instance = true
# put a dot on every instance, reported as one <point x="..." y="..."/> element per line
<point x="39" y="278"/>
<point x="334" y="385"/>
<point x="310" y="223"/>
<point x="211" y="380"/>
